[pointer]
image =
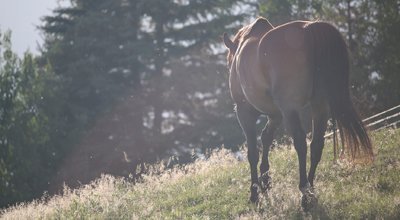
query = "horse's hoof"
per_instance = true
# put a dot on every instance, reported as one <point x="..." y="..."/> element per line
<point x="308" y="202"/>
<point x="265" y="182"/>
<point x="254" y="193"/>
<point x="254" y="199"/>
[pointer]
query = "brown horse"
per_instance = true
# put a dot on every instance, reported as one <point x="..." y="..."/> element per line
<point x="278" y="71"/>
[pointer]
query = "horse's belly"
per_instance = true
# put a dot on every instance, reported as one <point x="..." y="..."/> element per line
<point x="260" y="98"/>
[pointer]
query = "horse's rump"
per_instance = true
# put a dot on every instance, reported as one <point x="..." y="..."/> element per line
<point x="284" y="59"/>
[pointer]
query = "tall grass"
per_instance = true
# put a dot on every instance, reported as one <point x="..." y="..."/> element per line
<point x="218" y="188"/>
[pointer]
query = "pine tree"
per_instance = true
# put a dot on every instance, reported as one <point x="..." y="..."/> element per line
<point x="117" y="60"/>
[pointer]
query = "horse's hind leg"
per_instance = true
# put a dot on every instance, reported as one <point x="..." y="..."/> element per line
<point x="293" y="125"/>
<point x="247" y="117"/>
<point x="299" y="138"/>
<point x="266" y="137"/>
<point x="320" y="119"/>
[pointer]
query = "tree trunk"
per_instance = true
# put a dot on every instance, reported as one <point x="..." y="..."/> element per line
<point x="159" y="63"/>
<point x="349" y="25"/>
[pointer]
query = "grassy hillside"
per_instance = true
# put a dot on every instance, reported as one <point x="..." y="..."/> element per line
<point x="218" y="188"/>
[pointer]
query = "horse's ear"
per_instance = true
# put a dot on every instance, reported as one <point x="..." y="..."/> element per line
<point x="228" y="42"/>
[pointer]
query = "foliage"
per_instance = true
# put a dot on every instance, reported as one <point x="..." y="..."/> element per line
<point x="385" y="54"/>
<point x="218" y="188"/>
<point x="26" y="155"/>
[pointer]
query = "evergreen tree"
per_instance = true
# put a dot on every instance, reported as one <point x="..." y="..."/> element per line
<point x="179" y="27"/>
<point x="109" y="54"/>
<point x="385" y="57"/>
<point x="279" y="12"/>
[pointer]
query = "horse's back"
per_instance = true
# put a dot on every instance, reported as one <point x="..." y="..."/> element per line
<point x="284" y="59"/>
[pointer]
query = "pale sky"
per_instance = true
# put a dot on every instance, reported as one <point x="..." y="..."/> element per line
<point x="22" y="17"/>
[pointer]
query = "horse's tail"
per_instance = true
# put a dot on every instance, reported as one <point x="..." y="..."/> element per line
<point x="329" y="60"/>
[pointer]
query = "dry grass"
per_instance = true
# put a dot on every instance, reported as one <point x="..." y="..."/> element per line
<point x="218" y="188"/>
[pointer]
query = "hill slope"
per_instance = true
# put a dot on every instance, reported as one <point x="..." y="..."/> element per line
<point x="218" y="188"/>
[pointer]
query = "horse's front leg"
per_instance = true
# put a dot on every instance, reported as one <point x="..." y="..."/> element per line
<point x="267" y="137"/>
<point x="247" y="117"/>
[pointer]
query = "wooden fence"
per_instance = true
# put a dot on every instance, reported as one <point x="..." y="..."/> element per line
<point x="389" y="118"/>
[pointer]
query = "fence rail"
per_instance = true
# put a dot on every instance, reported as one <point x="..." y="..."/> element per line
<point x="385" y="119"/>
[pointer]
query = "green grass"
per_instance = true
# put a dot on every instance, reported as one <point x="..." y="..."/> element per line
<point x="218" y="188"/>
